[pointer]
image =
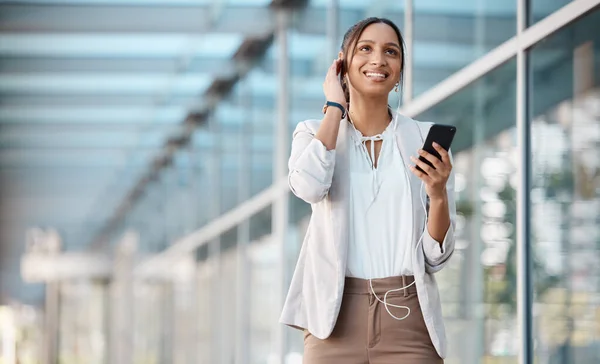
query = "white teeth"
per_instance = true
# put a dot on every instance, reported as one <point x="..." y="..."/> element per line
<point x="371" y="74"/>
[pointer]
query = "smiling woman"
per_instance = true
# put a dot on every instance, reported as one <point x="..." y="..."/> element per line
<point x="373" y="36"/>
<point x="363" y="290"/>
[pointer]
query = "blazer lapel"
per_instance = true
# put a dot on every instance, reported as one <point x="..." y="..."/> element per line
<point x="409" y="140"/>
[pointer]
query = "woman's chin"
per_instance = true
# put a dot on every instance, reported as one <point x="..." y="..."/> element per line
<point x="374" y="91"/>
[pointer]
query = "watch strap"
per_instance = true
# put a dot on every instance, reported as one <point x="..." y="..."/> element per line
<point x="335" y="104"/>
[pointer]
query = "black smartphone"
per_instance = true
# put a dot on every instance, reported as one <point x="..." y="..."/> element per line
<point x="441" y="134"/>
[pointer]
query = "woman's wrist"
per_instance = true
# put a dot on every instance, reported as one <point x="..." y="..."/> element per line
<point x="334" y="111"/>
<point x="330" y="125"/>
<point x="441" y="198"/>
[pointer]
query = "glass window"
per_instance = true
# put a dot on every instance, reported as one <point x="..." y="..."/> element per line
<point x="542" y="8"/>
<point x="448" y="35"/>
<point x="258" y="96"/>
<point x="246" y="141"/>
<point x="481" y="274"/>
<point x="565" y="121"/>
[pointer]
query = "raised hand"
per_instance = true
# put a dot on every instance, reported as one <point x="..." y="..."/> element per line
<point x="331" y="87"/>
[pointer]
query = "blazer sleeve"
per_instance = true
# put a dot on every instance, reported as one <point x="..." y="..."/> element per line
<point x="310" y="165"/>
<point x="436" y="255"/>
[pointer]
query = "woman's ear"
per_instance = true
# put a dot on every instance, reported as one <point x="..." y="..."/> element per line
<point x="341" y="55"/>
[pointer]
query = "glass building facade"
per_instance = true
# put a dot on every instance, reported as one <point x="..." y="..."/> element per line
<point x="217" y="232"/>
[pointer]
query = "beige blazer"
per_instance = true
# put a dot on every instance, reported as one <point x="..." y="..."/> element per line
<point x="320" y="177"/>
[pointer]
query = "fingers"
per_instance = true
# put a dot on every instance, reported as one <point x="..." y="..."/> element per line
<point x="333" y="70"/>
<point x="435" y="161"/>
<point x="436" y="177"/>
<point x="335" y="65"/>
<point x="424" y="166"/>
<point x="443" y="153"/>
<point x="439" y="170"/>
<point x="331" y="86"/>
<point x="423" y="176"/>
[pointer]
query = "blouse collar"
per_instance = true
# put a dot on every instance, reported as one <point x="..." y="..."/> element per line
<point x="359" y="138"/>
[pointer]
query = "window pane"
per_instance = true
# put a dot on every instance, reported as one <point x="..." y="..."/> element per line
<point x="477" y="288"/>
<point x="565" y="104"/>
<point x="451" y="34"/>
<point x="542" y="8"/>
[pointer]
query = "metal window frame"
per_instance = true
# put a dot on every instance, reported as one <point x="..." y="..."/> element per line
<point x="523" y="218"/>
<point x="280" y="206"/>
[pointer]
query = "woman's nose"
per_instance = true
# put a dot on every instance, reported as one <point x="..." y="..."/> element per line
<point x="377" y="59"/>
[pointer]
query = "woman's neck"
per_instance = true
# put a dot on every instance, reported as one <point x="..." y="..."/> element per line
<point x="369" y="116"/>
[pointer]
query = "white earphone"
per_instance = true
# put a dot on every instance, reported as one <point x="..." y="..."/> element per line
<point x="384" y="301"/>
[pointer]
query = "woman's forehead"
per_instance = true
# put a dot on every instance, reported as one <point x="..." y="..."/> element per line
<point x="379" y="33"/>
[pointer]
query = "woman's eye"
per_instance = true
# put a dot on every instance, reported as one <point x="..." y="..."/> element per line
<point x="393" y="52"/>
<point x="365" y="48"/>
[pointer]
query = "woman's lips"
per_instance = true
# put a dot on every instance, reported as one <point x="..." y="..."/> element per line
<point x="376" y="76"/>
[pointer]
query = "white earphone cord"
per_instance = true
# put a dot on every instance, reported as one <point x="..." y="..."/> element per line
<point x="385" y="303"/>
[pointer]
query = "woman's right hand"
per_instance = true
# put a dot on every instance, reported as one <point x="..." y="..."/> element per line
<point x="331" y="87"/>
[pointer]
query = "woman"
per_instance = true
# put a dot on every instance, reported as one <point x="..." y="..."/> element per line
<point x="363" y="290"/>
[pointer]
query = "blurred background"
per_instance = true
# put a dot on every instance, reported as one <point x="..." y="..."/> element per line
<point x="144" y="211"/>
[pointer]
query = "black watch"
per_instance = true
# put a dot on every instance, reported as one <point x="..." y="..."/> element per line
<point x="335" y="104"/>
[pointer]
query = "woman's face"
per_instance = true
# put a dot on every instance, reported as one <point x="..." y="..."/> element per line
<point x="375" y="61"/>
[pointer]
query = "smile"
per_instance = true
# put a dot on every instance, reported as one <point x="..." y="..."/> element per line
<point x="376" y="76"/>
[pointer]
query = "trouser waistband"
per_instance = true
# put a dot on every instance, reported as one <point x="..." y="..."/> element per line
<point x="380" y="285"/>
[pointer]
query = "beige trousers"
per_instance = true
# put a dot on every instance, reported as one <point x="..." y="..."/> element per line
<point x="365" y="333"/>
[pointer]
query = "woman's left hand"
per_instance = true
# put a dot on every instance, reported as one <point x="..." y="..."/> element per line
<point x="435" y="177"/>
